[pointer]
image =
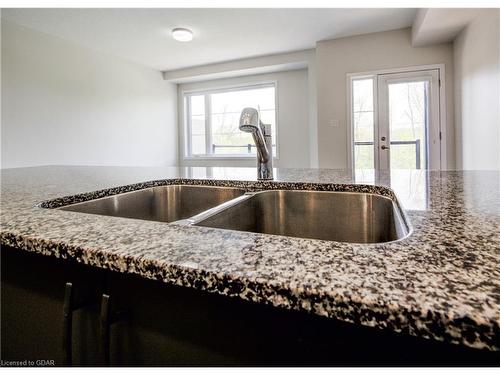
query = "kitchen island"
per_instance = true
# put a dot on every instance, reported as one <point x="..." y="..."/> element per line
<point x="439" y="285"/>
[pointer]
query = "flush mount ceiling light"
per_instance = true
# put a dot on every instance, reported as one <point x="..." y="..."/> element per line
<point x="182" y="35"/>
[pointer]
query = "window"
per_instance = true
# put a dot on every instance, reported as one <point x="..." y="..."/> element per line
<point x="212" y="120"/>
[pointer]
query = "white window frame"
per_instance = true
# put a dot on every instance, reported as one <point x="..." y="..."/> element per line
<point x="350" y="77"/>
<point x="186" y="120"/>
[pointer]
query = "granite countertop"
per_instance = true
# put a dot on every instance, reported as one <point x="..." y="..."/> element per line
<point x="442" y="282"/>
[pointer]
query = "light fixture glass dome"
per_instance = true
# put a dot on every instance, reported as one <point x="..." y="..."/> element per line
<point x="182" y="35"/>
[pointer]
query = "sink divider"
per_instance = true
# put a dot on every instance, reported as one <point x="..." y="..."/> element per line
<point x="215" y="210"/>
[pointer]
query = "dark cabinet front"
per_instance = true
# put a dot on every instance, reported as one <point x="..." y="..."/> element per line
<point x="124" y="320"/>
<point x="32" y="302"/>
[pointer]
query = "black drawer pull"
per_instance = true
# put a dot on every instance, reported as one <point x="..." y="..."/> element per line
<point x="70" y="305"/>
<point x="104" y="329"/>
<point x="67" y="324"/>
<point x="107" y="318"/>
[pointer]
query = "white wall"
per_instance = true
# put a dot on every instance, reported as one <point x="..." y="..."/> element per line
<point x="385" y="50"/>
<point x="293" y="115"/>
<point x="65" y="104"/>
<point x="477" y="74"/>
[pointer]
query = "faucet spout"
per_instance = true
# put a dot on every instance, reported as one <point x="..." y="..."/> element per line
<point x="260" y="143"/>
<point x="261" y="134"/>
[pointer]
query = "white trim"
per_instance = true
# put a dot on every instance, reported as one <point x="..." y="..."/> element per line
<point x="276" y="120"/>
<point x="233" y="87"/>
<point x="414" y="68"/>
<point x="208" y="125"/>
<point x="376" y="124"/>
<point x="221" y="157"/>
<point x="443" y="124"/>
<point x="187" y="128"/>
<point x="442" y="104"/>
<point x="185" y="121"/>
<point x="350" y="127"/>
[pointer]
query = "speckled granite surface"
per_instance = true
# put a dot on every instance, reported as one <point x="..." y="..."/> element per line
<point x="442" y="282"/>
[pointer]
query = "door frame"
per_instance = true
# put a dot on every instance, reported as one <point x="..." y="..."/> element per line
<point x="373" y="74"/>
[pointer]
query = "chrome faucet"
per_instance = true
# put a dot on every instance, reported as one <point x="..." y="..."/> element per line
<point x="250" y="123"/>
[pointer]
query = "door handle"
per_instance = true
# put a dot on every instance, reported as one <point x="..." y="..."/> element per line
<point x="104" y="329"/>
<point x="67" y="324"/>
<point x="384" y="147"/>
<point x="70" y="305"/>
<point x="107" y="317"/>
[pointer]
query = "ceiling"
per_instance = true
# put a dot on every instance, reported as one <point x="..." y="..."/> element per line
<point x="143" y="35"/>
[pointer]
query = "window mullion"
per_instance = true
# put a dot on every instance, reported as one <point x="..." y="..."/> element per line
<point x="188" y="126"/>
<point x="208" y="124"/>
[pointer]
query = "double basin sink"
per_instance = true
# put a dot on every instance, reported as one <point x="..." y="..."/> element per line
<point x="324" y="215"/>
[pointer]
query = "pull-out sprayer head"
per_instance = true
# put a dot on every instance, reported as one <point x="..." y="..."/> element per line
<point x="249" y="120"/>
<point x="250" y="123"/>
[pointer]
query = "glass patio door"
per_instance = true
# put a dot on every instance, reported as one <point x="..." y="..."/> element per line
<point x="395" y="122"/>
<point x="408" y="134"/>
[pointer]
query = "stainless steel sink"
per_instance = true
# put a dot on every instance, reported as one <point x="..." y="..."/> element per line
<point x="163" y="203"/>
<point x="335" y="216"/>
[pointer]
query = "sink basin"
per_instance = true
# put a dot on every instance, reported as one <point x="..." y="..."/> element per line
<point x="324" y="215"/>
<point x="335" y="216"/>
<point x="163" y="203"/>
